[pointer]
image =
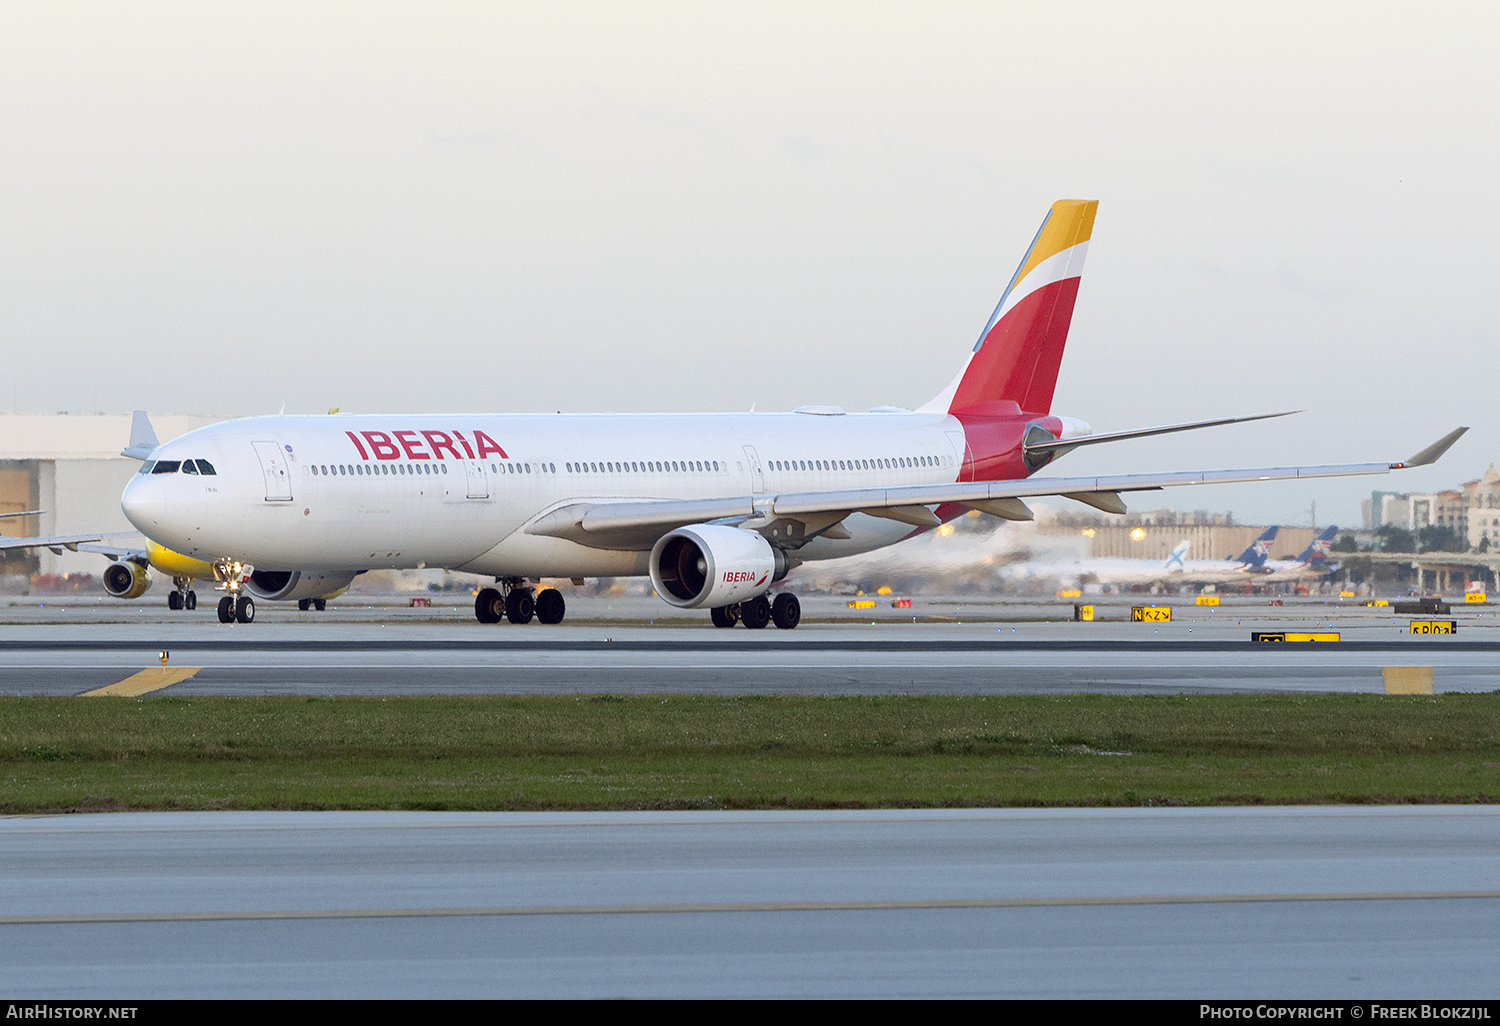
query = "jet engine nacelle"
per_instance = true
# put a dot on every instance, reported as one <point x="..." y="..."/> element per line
<point x="125" y="579"/>
<point x="279" y="585"/>
<point x="713" y="565"/>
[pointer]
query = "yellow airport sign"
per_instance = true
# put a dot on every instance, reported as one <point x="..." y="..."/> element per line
<point x="1407" y="680"/>
<point x="1475" y="597"/>
<point x="1208" y="600"/>
<point x="1083" y="613"/>
<point x="1434" y="626"/>
<point x="1378" y="602"/>
<point x="862" y="604"/>
<point x="1346" y="594"/>
<point x="1295" y="636"/>
<point x="1070" y="593"/>
<point x="1150" y="614"/>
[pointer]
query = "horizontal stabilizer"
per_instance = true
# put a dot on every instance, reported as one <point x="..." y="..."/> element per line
<point x="1062" y="445"/>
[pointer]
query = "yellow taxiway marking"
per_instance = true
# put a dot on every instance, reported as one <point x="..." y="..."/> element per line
<point x="747" y="906"/>
<point x="1407" y="680"/>
<point x="145" y="682"/>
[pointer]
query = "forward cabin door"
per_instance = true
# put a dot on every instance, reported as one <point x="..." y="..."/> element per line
<point x="757" y="479"/>
<point x="273" y="465"/>
<point x="479" y="486"/>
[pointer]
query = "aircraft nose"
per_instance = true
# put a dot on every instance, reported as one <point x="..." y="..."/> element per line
<point x="142" y="504"/>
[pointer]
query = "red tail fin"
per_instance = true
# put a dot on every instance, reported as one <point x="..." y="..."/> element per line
<point x="1020" y="350"/>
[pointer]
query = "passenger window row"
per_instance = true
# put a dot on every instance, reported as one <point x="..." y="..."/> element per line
<point x="647" y="467"/>
<point x="177" y="466"/>
<point x="884" y="463"/>
<point x="374" y="469"/>
<point x="400" y="469"/>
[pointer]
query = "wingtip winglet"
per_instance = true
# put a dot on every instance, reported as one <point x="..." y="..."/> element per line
<point x="1433" y="452"/>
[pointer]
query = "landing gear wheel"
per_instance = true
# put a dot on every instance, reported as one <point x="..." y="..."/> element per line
<point x="304" y="604"/>
<point x="320" y="604"/>
<point x="174" y="600"/>
<point x="244" y="609"/>
<point x="756" y="613"/>
<point x="226" y="610"/>
<point x="550" y="606"/>
<point x="192" y="600"/>
<point x="786" y="611"/>
<point x="724" y="616"/>
<point x="489" y="605"/>
<point x="520" y="607"/>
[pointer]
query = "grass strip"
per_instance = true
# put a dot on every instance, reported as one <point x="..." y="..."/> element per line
<point x="696" y="751"/>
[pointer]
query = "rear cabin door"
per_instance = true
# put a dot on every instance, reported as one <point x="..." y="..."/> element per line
<point x="273" y="464"/>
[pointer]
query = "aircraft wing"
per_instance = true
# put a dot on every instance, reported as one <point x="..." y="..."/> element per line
<point x="118" y="552"/>
<point x="71" y="542"/>
<point x="610" y="524"/>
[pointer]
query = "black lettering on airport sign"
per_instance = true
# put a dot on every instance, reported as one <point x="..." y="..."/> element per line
<point x="1434" y="626"/>
<point x="1295" y="636"/>
<point x="1150" y="614"/>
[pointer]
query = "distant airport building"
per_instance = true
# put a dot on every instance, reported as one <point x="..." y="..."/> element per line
<point x="1471" y="511"/>
<point x="70" y="466"/>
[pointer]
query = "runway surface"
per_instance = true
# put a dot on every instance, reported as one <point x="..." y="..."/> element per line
<point x="1223" y="903"/>
<point x="405" y="654"/>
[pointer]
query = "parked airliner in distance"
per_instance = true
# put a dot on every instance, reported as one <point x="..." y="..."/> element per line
<point x="716" y="508"/>
<point x="1176" y="569"/>
<point x="1311" y="561"/>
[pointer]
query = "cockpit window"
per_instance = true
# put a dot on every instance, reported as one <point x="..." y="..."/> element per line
<point x="205" y="467"/>
<point x="189" y="467"/>
<point x="146" y="467"/>
<point x="167" y="466"/>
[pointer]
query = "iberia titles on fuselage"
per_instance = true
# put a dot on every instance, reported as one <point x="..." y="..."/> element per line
<point x="716" y="508"/>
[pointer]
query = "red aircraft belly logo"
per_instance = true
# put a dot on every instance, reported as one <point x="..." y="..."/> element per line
<point x="396" y="444"/>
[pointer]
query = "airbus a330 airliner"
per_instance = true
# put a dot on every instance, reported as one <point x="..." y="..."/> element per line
<point x="715" y="508"/>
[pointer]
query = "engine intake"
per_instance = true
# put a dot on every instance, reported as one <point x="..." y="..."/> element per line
<point x="278" y="585"/>
<point x="125" y="579"/>
<point x="714" y="565"/>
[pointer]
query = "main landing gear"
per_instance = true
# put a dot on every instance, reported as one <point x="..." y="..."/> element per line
<point x="306" y="604"/>
<point x="785" y="612"/>
<point x="184" y="597"/>
<point x="517" y="601"/>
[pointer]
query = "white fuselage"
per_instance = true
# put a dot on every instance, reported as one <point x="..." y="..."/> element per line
<point x="456" y="491"/>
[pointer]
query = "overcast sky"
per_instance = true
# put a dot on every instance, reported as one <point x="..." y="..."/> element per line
<point x="223" y="208"/>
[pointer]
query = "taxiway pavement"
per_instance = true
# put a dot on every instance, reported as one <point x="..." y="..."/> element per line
<point x="1174" y="903"/>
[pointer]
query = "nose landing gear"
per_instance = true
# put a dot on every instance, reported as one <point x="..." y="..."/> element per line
<point x="233" y="607"/>
<point x="237" y="610"/>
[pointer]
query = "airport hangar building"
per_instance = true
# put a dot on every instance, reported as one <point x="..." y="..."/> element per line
<point x="69" y="466"/>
